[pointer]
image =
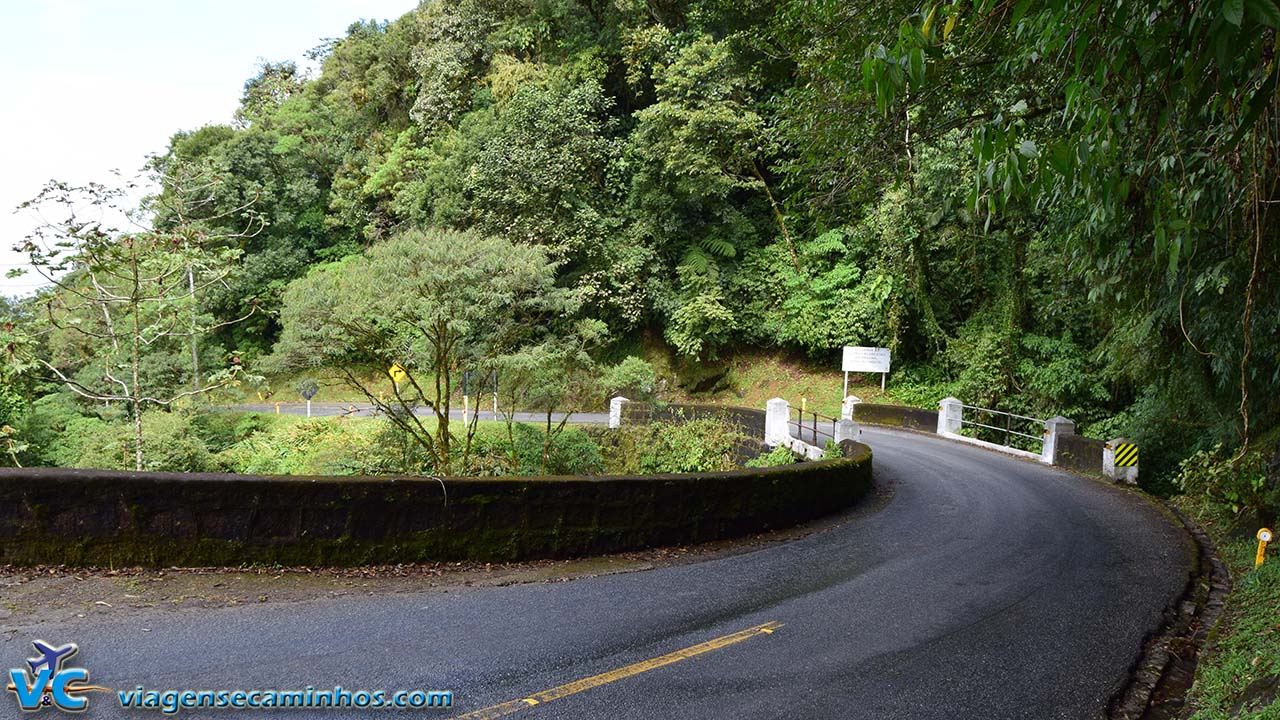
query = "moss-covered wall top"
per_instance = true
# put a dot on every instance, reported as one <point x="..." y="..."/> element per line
<point x="95" y="517"/>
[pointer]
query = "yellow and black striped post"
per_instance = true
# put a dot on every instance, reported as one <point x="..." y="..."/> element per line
<point x="1120" y="460"/>
<point x="1126" y="455"/>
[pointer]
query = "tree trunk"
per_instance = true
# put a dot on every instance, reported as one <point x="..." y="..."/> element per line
<point x="443" y="353"/>
<point x="135" y="396"/>
<point x="777" y="214"/>
<point x="195" y="354"/>
<point x="546" y="444"/>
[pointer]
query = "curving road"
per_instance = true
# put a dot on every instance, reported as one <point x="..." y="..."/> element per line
<point x="987" y="587"/>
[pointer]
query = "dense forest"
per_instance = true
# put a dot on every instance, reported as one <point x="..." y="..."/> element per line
<point x="1053" y="207"/>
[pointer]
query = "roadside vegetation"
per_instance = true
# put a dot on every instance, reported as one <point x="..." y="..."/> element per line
<point x="1238" y="676"/>
<point x="1034" y="210"/>
<point x="1053" y="208"/>
<point x="269" y="444"/>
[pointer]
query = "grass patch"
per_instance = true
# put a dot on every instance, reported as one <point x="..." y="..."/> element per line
<point x="1238" y="676"/>
<point x="750" y="379"/>
<point x="756" y="377"/>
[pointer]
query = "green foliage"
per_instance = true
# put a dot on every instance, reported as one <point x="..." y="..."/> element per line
<point x="222" y="429"/>
<point x="702" y="323"/>
<point x="1232" y="677"/>
<point x="1141" y="143"/>
<point x="633" y="378"/>
<point x="123" y="304"/>
<point x="1245" y="648"/>
<point x="780" y="455"/>
<point x="1240" y="483"/>
<point x="171" y="444"/>
<point x="572" y="452"/>
<point x="327" y="446"/>
<point x="703" y="445"/>
<point x="921" y="386"/>
<point x="17" y="378"/>
<point x="1050" y="208"/>
<point x="834" y="301"/>
<point x="557" y="374"/>
<point x="53" y="430"/>
<point x="432" y="302"/>
<point x="61" y="436"/>
<point x="321" y="446"/>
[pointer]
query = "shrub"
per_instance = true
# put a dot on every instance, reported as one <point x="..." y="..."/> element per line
<point x="306" y="447"/>
<point x="633" y="378"/>
<point x="573" y="452"/>
<point x="702" y="445"/>
<point x="780" y="455"/>
<point x="1242" y="485"/>
<point x="221" y="430"/>
<point x="53" y="431"/>
<point x="169" y="445"/>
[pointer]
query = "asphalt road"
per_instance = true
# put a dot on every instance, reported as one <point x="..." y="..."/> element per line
<point x="987" y="587"/>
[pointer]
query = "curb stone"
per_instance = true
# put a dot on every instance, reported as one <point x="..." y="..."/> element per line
<point x="1163" y="674"/>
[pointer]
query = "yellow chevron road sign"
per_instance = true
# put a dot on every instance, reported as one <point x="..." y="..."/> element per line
<point x="1126" y="455"/>
<point x="397" y="373"/>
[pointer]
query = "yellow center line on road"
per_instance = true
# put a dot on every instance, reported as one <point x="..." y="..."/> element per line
<point x="621" y="673"/>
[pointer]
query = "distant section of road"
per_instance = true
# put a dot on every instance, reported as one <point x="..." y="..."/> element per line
<point x="988" y="588"/>
<point x="332" y="409"/>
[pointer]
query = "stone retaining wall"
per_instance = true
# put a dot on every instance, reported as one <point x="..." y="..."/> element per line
<point x="106" y="518"/>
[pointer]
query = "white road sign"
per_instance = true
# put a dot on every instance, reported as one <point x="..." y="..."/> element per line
<point x="865" y="359"/>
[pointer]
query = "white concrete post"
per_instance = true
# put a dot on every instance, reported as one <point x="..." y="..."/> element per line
<point x="615" y="412"/>
<point x="1127" y="475"/>
<point x="846" y="407"/>
<point x="1054" y="428"/>
<point x="847" y="429"/>
<point x="950" y="416"/>
<point x="777" y="419"/>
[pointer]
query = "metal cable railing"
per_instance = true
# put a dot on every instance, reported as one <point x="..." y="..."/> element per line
<point x="1006" y="429"/>
<point x="814" y="422"/>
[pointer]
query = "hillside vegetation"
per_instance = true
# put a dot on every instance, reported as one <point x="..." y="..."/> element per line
<point x="1058" y="207"/>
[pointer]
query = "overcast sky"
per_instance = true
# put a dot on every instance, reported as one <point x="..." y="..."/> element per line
<point x="95" y="85"/>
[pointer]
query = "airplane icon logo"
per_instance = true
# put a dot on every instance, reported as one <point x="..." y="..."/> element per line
<point x="51" y="657"/>
<point x="49" y="684"/>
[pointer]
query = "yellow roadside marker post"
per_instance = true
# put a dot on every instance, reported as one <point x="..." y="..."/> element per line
<point x="277" y="408"/>
<point x="1264" y="537"/>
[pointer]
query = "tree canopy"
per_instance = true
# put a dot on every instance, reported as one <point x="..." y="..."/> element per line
<point x="1046" y="206"/>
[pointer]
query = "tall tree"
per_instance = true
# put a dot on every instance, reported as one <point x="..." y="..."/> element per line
<point x="126" y="293"/>
<point x="417" y="310"/>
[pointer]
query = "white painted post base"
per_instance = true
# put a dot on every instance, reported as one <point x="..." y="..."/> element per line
<point x="847" y="429"/>
<point x="615" y="412"/>
<point x="777" y="418"/>
<point x="950" y="416"/>
<point x="1054" y="428"/>
<point x="1127" y="475"/>
<point x="846" y="407"/>
<point x="777" y="431"/>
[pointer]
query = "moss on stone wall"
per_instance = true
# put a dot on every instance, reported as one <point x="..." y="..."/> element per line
<point x="896" y="416"/>
<point x="105" y="518"/>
